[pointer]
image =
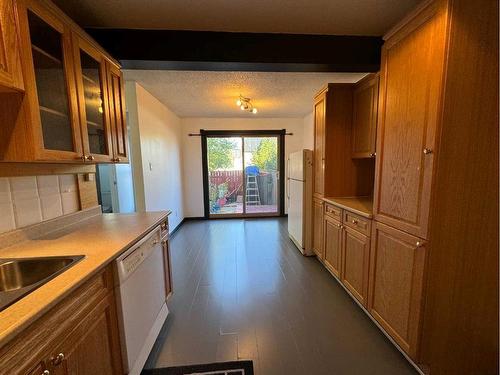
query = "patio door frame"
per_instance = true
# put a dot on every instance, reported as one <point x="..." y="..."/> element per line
<point x="280" y="134"/>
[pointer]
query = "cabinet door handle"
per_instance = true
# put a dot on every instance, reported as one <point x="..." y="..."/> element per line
<point x="46" y="372"/>
<point x="90" y="158"/>
<point x="373" y="154"/>
<point x="420" y="243"/>
<point x="117" y="160"/>
<point x="354" y="221"/>
<point x="427" y="151"/>
<point x="58" y="359"/>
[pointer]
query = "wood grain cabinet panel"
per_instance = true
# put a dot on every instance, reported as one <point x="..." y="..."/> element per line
<point x="91" y="348"/>
<point x="410" y="82"/>
<point x="355" y="261"/>
<point x="318" y="228"/>
<point x="333" y="245"/>
<point x="319" y="145"/>
<point x="364" y="121"/>
<point x="11" y="76"/>
<point x="396" y="284"/>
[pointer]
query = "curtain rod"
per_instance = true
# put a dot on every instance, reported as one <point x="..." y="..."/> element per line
<point x="199" y="135"/>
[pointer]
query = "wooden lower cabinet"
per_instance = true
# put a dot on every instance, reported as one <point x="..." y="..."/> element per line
<point x="355" y="261"/>
<point x="77" y="336"/>
<point x="333" y="245"/>
<point x="318" y="228"/>
<point x="90" y="347"/>
<point x="396" y="284"/>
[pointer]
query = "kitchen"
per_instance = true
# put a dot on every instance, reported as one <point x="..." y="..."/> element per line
<point x="398" y="215"/>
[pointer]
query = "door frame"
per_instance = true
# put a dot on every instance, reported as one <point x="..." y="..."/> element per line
<point x="279" y="133"/>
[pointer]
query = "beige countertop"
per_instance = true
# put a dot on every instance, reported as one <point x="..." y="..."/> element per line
<point x="99" y="238"/>
<point x="360" y="205"/>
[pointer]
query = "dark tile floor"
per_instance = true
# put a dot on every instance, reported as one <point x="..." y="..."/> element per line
<point x="242" y="291"/>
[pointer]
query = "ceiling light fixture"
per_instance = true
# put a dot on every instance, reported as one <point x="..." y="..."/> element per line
<point x="245" y="104"/>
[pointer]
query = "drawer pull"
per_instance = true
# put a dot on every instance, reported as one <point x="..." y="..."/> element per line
<point x="354" y="221"/>
<point x="58" y="359"/>
<point x="420" y="244"/>
<point x="46" y="372"/>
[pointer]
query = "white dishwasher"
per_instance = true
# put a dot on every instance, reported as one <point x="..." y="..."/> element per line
<point x="141" y="299"/>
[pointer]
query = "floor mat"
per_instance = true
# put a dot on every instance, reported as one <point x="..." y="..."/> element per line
<point x="222" y="368"/>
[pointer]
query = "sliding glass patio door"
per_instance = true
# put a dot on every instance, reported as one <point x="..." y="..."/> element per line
<point x="242" y="174"/>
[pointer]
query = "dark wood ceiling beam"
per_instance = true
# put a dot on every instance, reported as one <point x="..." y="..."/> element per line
<point x="200" y="50"/>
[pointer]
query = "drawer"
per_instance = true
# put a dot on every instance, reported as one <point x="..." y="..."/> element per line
<point x="333" y="211"/>
<point x="357" y="222"/>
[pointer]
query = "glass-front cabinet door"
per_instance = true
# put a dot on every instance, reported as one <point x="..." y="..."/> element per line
<point x="92" y="91"/>
<point x="117" y="113"/>
<point x="53" y="114"/>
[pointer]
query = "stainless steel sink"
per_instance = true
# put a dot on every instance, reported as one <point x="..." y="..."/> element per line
<point x="19" y="277"/>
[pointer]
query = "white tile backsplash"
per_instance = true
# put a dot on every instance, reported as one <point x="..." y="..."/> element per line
<point x="29" y="200"/>
<point x="23" y="188"/>
<point x="48" y="185"/>
<point x="5" y="196"/>
<point x="7" y="220"/>
<point x="51" y="206"/>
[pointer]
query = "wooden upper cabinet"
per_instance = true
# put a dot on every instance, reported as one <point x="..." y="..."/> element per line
<point x="117" y="113"/>
<point x="396" y="284"/>
<point x="11" y="76"/>
<point x="407" y="122"/>
<point x="93" y="100"/>
<point x="50" y="83"/>
<point x="365" y="109"/>
<point x="333" y="245"/>
<point x="319" y="145"/>
<point x="73" y="109"/>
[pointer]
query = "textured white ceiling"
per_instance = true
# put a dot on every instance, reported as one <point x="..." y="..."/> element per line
<point x="340" y="17"/>
<point x="214" y="94"/>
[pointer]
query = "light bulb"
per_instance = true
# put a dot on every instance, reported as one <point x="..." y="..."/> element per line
<point x="238" y="102"/>
<point x="242" y="107"/>
<point x="254" y="111"/>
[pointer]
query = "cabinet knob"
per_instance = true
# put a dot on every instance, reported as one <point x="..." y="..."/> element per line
<point x="354" y="221"/>
<point x="420" y="243"/>
<point x="58" y="359"/>
<point x="373" y="154"/>
<point x="90" y="157"/>
<point x="117" y="160"/>
<point x="427" y="151"/>
<point x="46" y="372"/>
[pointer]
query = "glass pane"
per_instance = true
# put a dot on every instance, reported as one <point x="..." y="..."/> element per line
<point x="261" y="174"/>
<point x="92" y="88"/>
<point x="225" y="175"/>
<point x="48" y="60"/>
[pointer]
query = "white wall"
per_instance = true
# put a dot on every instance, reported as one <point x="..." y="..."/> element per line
<point x="192" y="166"/>
<point x="155" y="139"/>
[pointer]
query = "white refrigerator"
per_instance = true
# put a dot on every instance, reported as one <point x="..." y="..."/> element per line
<point x="300" y="200"/>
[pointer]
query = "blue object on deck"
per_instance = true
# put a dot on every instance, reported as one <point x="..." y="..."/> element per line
<point x="252" y="170"/>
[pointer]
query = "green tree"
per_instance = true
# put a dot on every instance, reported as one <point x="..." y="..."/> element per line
<point x="266" y="155"/>
<point x="219" y="153"/>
